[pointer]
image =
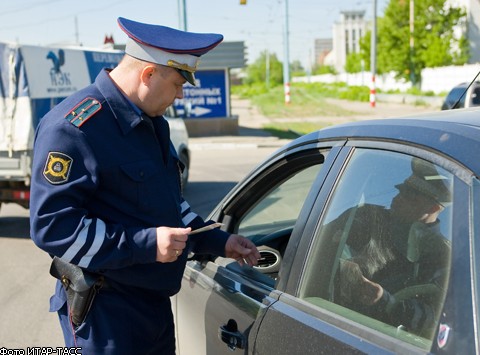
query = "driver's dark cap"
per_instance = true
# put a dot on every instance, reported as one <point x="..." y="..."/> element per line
<point x="426" y="180"/>
<point x="167" y="46"/>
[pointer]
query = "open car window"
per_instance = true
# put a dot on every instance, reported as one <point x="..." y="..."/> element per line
<point x="267" y="210"/>
<point x="280" y="207"/>
<point x="381" y="253"/>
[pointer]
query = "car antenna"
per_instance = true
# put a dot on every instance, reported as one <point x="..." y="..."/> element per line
<point x="465" y="91"/>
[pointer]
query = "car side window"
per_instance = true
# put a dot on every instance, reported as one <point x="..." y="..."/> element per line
<point x="282" y="204"/>
<point x="381" y="253"/>
<point x="476" y="96"/>
<point x="273" y="203"/>
<point x="279" y="205"/>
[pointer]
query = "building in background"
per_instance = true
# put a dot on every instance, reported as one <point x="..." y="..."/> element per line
<point x="352" y="25"/>
<point x="346" y="37"/>
<point x="323" y="46"/>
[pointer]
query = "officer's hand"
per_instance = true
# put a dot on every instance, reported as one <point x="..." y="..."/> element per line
<point x="242" y="250"/>
<point x="170" y="243"/>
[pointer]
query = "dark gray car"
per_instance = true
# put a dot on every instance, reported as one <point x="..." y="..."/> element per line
<point x="321" y="210"/>
<point x="462" y="96"/>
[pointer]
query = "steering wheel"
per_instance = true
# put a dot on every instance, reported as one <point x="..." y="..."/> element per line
<point x="265" y="239"/>
<point x="430" y="292"/>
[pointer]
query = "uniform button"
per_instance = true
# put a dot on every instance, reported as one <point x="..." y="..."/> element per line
<point x="142" y="173"/>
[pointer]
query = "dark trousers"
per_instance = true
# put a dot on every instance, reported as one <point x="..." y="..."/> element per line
<point x="121" y="322"/>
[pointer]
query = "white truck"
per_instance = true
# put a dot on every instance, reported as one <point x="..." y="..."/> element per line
<point x="33" y="79"/>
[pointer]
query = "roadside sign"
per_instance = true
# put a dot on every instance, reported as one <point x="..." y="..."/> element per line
<point x="208" y="99"/>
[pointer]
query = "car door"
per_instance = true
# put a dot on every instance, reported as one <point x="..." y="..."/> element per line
<point x="317" y="310"/>
<point x="221" y="304"/>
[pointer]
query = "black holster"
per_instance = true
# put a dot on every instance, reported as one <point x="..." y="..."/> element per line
<point x="80" y="285"/>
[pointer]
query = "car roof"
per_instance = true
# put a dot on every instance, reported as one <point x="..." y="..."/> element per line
<point x="455" y="133"/>
<point x="465" y="84"/>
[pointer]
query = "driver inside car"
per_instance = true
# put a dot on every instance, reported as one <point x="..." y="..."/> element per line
<point x="394" y="266"/>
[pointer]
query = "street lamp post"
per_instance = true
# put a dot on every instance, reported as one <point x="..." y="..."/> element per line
<point x="286" y="69"/>
<point x="412" y="42"/>
<point x="182" y="15"/>
<point x="373" y="54"/>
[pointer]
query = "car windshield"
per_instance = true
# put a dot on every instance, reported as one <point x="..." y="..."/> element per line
<point x="453" y="97"/>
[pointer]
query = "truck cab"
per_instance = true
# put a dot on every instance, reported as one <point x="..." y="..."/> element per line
<point x="33" y="79"/>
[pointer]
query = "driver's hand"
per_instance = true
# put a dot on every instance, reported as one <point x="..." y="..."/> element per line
<point x="370" y="292"/>
<point x="354" y="287"/>
<point x="242" y="249"/>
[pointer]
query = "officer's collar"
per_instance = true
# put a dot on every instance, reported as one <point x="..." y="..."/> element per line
<point x="135" y="107"/>
<point x="126" y="113"/>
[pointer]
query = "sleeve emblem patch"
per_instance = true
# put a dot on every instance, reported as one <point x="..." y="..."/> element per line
<point x="57" y="168"/>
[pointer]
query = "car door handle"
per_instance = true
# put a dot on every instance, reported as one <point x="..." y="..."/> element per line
<point x="229" y="334"/>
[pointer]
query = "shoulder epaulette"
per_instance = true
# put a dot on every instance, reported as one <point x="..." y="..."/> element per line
<point x="83" y="111"/>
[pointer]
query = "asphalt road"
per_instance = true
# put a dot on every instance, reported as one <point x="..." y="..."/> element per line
<point x="25" y="283"/>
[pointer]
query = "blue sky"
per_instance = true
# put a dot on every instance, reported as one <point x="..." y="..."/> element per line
<point x="260" y="23"/>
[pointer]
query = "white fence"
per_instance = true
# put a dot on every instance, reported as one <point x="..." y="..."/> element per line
<point x="384" y="82"/>
<point x="438" y="80"/>
<point x="443" y="79"/>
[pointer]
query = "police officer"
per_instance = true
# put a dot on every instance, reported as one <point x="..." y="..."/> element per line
<point x="106" y="195"/>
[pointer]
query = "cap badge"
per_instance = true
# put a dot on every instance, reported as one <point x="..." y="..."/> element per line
<point x="177" y="65"/>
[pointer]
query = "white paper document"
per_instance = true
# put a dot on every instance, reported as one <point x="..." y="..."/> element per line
<point x="206" y="228"/>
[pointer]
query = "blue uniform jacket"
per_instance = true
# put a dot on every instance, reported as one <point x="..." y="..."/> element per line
<point x="100" y="188"/>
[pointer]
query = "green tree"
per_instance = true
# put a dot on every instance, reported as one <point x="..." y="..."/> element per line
<point x="354" y="63"/>
<point x="296" y="66"/>
<point x="323" y="69"/>
<point x="462" y="55"/>
<point x="257" y="71"/>
<point x="434" y="35"/>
